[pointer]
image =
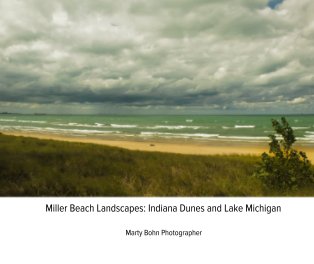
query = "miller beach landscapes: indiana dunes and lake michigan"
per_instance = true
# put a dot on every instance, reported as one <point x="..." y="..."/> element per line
<point x="156" y="98"/>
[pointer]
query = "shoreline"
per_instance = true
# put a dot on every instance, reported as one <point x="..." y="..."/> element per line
<point x="184" y="147"/>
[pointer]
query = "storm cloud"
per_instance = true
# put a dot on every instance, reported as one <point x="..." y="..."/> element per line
<point x="198" y="56"/>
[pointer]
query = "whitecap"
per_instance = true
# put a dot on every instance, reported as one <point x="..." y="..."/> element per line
<point x="8" y="120"/>
<point x="31" y="121"/>
<point x="300" y="128"/>
<point x="179" y="135"/>
<point x="243" y="137"/>
<point x="122" y="126"/>
<point x="244" y="126"/>
<point x="99" y="125"/>
<point x="173" y="127"/>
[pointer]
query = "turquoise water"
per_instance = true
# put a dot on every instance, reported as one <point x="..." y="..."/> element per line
<point x="198" y="127"/>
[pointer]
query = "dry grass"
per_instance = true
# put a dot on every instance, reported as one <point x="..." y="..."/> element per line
<point x="33" y="167"/>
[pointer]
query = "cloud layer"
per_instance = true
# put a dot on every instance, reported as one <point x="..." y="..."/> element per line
<point x="155" y="56"/>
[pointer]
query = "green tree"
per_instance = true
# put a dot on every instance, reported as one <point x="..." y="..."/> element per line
<point x="284" y="168"/>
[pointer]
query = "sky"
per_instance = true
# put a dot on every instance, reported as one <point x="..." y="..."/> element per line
<point x="157" y="57"/>
<point x="274" y="3"/>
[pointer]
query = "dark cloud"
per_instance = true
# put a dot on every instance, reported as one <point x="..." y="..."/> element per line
<point x="179" y="54"/>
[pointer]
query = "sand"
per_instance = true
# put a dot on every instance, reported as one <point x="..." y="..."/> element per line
<point x="184" y="147"/>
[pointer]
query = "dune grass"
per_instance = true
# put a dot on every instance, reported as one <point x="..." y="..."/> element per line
<point x="34" y="167"/>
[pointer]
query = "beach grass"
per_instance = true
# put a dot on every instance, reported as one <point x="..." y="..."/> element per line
<point x="37" y="167"/>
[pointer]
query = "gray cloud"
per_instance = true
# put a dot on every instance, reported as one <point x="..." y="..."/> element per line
<point x="193" y="55"/>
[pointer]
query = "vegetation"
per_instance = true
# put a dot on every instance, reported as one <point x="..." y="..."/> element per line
<point x="285" y="168"/>
<point x="33" y="167"/>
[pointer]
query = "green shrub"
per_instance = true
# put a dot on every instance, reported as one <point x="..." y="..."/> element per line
<point x="284" y="168"/>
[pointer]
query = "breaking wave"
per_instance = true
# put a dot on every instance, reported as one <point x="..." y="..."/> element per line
<point x="244" y="126"/>
<point x="122" y="126"/>
<point x="180" y="135"/>
<point x="173" y="127"/>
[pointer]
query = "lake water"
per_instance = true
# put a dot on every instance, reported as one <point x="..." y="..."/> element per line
<point x="187" y="127"/>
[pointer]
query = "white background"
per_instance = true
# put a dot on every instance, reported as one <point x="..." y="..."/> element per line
<point x="28" y="234"/>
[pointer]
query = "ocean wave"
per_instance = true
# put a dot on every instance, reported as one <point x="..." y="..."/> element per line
<point x="24" y="121"/>
<point x="208" y="136"/>
<point x="244" y="126"/>
<point x="8" y="120"/>
<point x="306" y="138"/>
<point x="58" y="130"/>
<point x="154" y="133"/>
<point x="122" y="126"/>
<point x="300" y="128"/>
<point x="184" y="135"/>
<point x="82" y="131"/>
<point x="72" y="125"/>
<point x="99" y="125"/>
<point x="243" y="138"/>
<point x="202" y="135"/>
<point x="173" y="127"/>
<point x="19" y="128"/>
<point x="31" y="121"/>
<point x="309" y="132"/>
<point x="78" y="125"/>
<point x="238" y="127"/>
<point x="189" y="120"/>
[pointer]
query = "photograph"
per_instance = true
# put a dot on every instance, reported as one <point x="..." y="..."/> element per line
<point x="167" y="98"/>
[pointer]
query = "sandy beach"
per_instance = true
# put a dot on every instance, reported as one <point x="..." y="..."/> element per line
<point x="194" y="148"/>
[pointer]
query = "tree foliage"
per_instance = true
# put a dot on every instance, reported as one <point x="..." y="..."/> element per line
<point x="284" y="168"/>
